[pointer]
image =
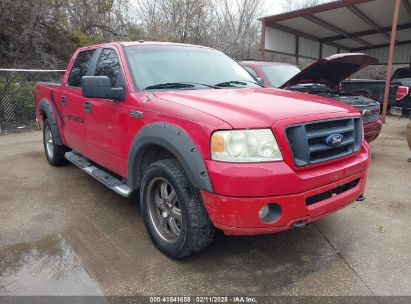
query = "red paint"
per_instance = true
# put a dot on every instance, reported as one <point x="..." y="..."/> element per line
<point x="372" y="130"/>
<point x="401" y="92"/>
<point x="240" y="189"/>
<point x="239" y="215"/>
<point x="279" y="178"/>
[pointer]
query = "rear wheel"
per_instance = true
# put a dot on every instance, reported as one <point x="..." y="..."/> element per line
<point x="54" y="152"/>
<point x="173" y="212"/>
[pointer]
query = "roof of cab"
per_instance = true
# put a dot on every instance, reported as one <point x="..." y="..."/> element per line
<point x="140" y="42"/>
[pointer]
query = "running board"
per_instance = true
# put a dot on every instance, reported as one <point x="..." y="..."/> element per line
<point x="102" y="176"/>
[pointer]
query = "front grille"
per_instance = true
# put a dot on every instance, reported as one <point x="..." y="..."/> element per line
<point x="308" y="141"/>
<point x="330" y="193"/>
<point x="371" y="114"/>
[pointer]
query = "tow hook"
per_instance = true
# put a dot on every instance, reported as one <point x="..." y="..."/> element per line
<point x="360" y="198"/>
<point x="299" y="224"/>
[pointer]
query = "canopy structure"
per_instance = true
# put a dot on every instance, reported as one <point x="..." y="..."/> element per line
<point x="380" y="28"/>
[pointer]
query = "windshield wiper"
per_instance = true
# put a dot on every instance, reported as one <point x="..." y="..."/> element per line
<point x="202" y="84"/>
<point x="232" y="83"/>
<point x="169" y="85"/>
<point x="178" y="85"/>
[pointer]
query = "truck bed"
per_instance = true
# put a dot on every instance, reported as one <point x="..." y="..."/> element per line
<point x="49" y="91"/>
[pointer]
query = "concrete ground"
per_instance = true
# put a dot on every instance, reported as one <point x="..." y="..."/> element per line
<point x="62" y="232"/>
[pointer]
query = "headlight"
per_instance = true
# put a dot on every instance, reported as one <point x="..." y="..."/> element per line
<point x="258" y="145"/>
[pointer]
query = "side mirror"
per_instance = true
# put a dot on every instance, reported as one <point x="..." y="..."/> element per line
<point x="260" y="80"/>
<point x="100" y="87"/>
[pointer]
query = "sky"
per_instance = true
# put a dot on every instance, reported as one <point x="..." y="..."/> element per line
<point x="272" y="7"/>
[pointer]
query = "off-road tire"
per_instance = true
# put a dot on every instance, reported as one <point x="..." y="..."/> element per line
<point x="196" y="230"/>
<point x="56" y="157"/>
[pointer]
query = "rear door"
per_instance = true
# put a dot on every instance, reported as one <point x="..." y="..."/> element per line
<point x="72" y="102"/>
<point x="107" y="120"/>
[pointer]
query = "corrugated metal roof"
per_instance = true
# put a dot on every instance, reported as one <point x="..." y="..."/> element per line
<point x="341" y="26"/>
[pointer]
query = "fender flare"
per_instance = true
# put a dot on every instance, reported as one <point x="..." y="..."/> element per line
<point x="177" y="142"/>
<point x="44" y="106"/>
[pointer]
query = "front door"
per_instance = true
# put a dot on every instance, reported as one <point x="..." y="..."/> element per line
<point x="107" y="120"/>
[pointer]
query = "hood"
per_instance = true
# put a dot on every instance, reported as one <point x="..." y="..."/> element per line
<point x="332" y="70"/>
<point x="254" y="107"/>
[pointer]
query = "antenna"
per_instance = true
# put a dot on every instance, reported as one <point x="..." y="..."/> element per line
<point x="147" y="96"/>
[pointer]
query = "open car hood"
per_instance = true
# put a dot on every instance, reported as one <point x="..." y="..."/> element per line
<point x="331" y="70"/>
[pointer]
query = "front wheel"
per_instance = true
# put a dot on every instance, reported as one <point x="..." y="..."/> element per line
<point x="173" y="212"/>
<point x="54" y="152"/>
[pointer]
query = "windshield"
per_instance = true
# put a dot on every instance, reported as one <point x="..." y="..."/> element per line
<point x="170" y="67"/>
<point x="279" y="74"/>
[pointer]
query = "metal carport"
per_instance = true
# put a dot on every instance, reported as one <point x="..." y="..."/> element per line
<point x="380" y="28"/>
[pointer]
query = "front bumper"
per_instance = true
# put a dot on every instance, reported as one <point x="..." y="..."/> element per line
<point x="240" y="215"/>
<point x="372" y="130"/>
<point x="241" y="190"/>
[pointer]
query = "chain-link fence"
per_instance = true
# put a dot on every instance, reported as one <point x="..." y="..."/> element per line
<point x="17" y="110"/>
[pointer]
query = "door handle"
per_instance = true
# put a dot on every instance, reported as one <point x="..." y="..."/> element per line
<point x="87" y="106"/>
<point x="63" y="100"/>
<point x="135" y="114"/>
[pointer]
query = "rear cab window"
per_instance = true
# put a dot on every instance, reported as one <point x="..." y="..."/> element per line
<point x="80" y="68"/>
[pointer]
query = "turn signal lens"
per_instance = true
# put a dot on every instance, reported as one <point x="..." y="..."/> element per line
<point x="217" y="143"/>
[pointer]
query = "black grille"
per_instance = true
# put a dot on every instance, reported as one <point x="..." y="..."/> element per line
<point x="307" y="141"/>
<point x="330" y="193"/>
<point x="325" y="125"/>
<point x="291" y="141"/>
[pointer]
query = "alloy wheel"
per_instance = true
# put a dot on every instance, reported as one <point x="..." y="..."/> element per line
<point x="164" y="209"/>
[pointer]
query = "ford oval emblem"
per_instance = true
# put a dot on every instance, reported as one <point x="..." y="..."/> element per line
<point x="334" y="140"/>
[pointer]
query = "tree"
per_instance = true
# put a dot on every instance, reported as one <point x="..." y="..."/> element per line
<point x="44" y="33"/>
<point x="229" y="25"/>
<point x="99" y="20"/>
<point x="28" y="33"/>
<point x="236" y="29"/>
<point x="182" y="21"/>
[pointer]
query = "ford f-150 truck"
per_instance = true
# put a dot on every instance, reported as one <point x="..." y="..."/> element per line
<point x="204" y="145"/>
<point x="399" y="97"/>
<point x="324" y="77"/>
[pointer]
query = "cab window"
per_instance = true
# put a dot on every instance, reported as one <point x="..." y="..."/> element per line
<point x="109" y="65"/>
<point x="80" y="68"/>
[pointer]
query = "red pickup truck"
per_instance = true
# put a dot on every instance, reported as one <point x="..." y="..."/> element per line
<point x="204" y="144"/>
